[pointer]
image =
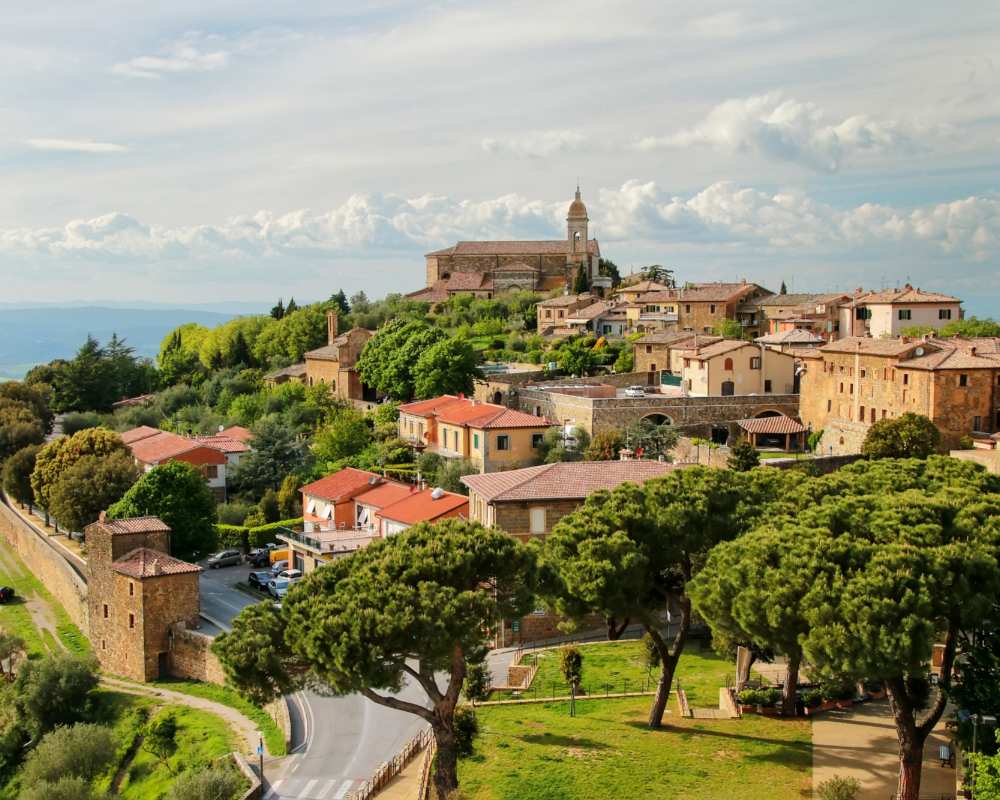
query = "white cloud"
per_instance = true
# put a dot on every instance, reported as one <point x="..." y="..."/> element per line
<point x="784" y="129"/>
<point x="76" y="145"/>
<point x="734" y="24"/>
<point x="193" y="52"/>
<point x="722" y="215"/>
<point x="536" y="144"/>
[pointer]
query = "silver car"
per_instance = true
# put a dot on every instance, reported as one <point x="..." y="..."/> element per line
<point x="224" y="558"/>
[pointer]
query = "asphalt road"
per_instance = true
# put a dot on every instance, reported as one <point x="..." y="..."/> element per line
<point x="338" y="742"/>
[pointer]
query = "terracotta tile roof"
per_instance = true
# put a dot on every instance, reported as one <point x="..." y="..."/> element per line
<point x="146" y="563"/>
<point x="294" y="371"/>
<point x="466" y="411"/>
<point x="425" y="408"/>
<point x="646" y="286"/>
<point x="515" y="248"/>
<point x="717" y="292"/>
<point x="135" y="525"/>
<point x="142" y="432"/>
<point x="793" y="336"/>
<point x="877" y="347"/>
<point x="799" y="299"/>
<point x="447" y="251"/>
<point x="385" y="494"/>
<point x="907" y="295"/>
<point x="437" y="293"/>
<point x="592" y="311"/>
<point x="238" y="432"/>
<point x="423" y="507"/>
<point x="331" y="352"/>
<point x="516" y="266"/>
<point x="567" y="300"/>
<point x="140" y="400"/>
<point x="718" y="349"/>
<point x="669" y="296"/>
<point x="509" y="418"/>
<point x="165" y="446"/>
<point x="571" y="480"/>
<point x="808" y="352"/>
<point x="779" y="424"/>
<point x="469" y="281"/>
<point x="680" y="339"/>
<point x="341" y="485"/>
<point x="954" y="358"/>
<point x="223" y="443"/>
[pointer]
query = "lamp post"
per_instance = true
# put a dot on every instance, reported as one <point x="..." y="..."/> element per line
<point x="260" y="755"/>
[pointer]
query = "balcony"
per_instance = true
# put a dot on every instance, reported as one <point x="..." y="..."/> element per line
<point x="332" y="542"/>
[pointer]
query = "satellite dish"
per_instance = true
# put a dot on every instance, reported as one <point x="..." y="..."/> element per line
<point x="437" y="494"/>
<point x="919" y="351"/>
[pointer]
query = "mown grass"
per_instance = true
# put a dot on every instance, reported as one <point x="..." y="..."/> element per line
<point x="620" y="666"/>
<point x="273" y="735"/>
<point x="539" y="752"/>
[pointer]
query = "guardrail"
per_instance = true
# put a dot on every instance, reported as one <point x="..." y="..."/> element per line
<point x="390" y="769"/>
<point x="424" y="788"/>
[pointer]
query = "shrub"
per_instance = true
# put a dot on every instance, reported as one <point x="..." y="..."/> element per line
<point x="63" y="789"/>
<point x="466" y="730"/>
<point x="838" y="691"/>
<point x="477" y="682"/>
<point x="813" y="440"/>
<point x="231" y="536"/>
<point x="78" y="751"/>
<point x="965" y="443"/>
<point x="233" y="513"/>
<point x="766" y="696"/>
<point x="838" y="789"/>
<point x="80" y="420"/>
<point x="811" y="697"/>
<point x="215" y="783"/>
<point x="265" y="534"/>
<point x="571" y="664"/>
<point x="53" y="691"/>
<point x="650" y="654"/>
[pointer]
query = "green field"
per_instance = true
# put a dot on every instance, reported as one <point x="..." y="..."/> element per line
<point x="618" y="667"/>
<point x="539" y="752"/>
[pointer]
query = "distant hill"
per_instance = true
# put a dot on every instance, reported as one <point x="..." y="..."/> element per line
<point x="30" y="336"/>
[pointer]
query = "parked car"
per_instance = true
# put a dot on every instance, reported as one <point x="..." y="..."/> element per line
<point x="259" y="557"/>
<point x="259" y="580"/>
<point x="278" y="587"/>
<point x="278" y="567"/>
<point x="635" y="391"/>
<point x="291" y="574"/>
<point x="6" y="594"/>
<point x="224" y="558"/>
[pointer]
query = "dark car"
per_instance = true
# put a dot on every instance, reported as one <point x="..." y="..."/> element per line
<point x="259" y="580"/>
<point x="6" y="594"/>
<point x="224" y="558"/>
<point x="259" y="557"/>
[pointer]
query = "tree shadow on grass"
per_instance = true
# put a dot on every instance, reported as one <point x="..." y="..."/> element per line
<point x="697" y="731"/>
<point x="562" y="741"/>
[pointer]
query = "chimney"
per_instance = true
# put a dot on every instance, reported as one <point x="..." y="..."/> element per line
<point x="625" y="454"/>
<point x="331" y="326"/>
<point x="858" y="292"/>
<point x="102" y="517"/>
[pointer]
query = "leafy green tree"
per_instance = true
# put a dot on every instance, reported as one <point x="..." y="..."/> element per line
<point x="17" y="474"/>
<point x="292" y="306"/>
<point x="660" y="274"/>
<point x="269" y="508"/>
<point x="277" y="453"/>
<point x="626" y="360"/>
<point x="52" y="691"/>
<point x="446" y="367"/>
<point x="131" y="376"/>
<point x="83" y="750"/>
<point x="449" y="475"/>
<point x="290" y="498"/>
<point x="478" y="681"/>
<point x="576" y="357"/>
<point x="287" y="341"/>
<point x="346" y="435"/>
<point x="743" y="456"/>
<point x="278" y="310"/>
<point x="784" y="289"/>
<point x="59" y="455"/>
<point x="340" y="302"/>
<point x="178" y="361"/>
<point x="80" y="420"/>
<point x="175" y="492"/>
<point x="19" y="428"/>
<point x="972" y="327"/>
<point x="160" y="738"/>
<point x="729" y="329"/>
<point x="85" y="382"/>
<point x="571" y="665"/>
<point x="906" y="436"/>
<point x="838" y="788"/>
<point x="32" y="395"/>
<point x="651" y="438"/>
<point x="63" y="789"/>
<point x="12" y="651"/>
<point x="388" y="360"/>
<point x="978" y="687"/>
<point x="412" y="607"/>
<point x="558" y="445"/>
<point x="609" y="269"/>
<point x="605" y="445"/>
<point x="89" y="487"/>
<point x="580" y="283"/>
<point x="213" y="783"/>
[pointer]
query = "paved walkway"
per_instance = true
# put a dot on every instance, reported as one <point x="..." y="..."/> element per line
<point x="406" y="784"/>
<point x="861" y="743"/>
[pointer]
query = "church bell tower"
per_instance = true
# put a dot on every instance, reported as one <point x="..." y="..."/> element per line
<point x="576" y="229"/>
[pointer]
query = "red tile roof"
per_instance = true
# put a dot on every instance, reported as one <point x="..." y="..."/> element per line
<point x="509" y="418"/>
<point x="779" y="424"/>
<point x="146" y="563"/>
<point x="385" y="494"/>
<point x="425" y="408"/>
<point x="645" y="286"/>
<point x="719" y="348"/>
<point x="567" y="300"/>
<point x="515" y="248"/>
<point x="906" y="295"/>
<point x="437" y="293"/>
<point x="142" y="432"/>
<point x="238" y="431"/>
<point x="717" y="292"/>
<point x="223" y="443"/>
<point x="341" y="485"/>
<point x="572" y="480"/>
<point x="423" y="507"/>
<point x="135" y="525"/>
<point x="165" y="446"/>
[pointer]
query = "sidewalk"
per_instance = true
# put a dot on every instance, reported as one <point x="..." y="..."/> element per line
<point x="861" y="743"/>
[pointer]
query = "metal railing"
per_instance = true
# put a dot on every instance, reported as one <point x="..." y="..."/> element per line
<point x="390" y="769"/>
<point x="339" y="544"/>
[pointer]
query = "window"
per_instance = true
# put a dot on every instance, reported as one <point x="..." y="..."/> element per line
<point x="711" y="308"/>
<point x="884" y="413"/>
<point x="475" y="440"/>
<point x="862" y="372"/>
<point x="687" y="308"/>
<point x="905" y="314"/>
<point x="728" y="364"/>
<point x="687" y="362"/>
<point x="861" y="414"/>
<point x="841" y="387"/>
<point x="652" y="367"/>
<point x="548" y="313"/>
<point x="852" y="388"/>
<point x="212" y="471"/>
<point x="562" y="314"/>
<point x="503" y="442"/>
<point x="755" y="362"/>
<point x="131" y="589"/>
<point x="977" y="423"/>
<point x="767" y="386"/>
<point x="701" y="365"/>
<point x="906" y="379"/>
<point x="829" y="405"/>
<point x="537" y="439"/>
<point x="649" y="348"/>
<point x="104" y="644"/>
<point x="944" y="313"/>
<point x="131" y="620"/>
<point x="963" y="380"/>
<point x="862" y="313"/>
<point x="536" y="520"/>
<point x="105" y="611"/>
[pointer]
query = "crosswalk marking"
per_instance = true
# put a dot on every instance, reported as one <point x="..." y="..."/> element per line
<point x="329" y="788"/>
<point x="273" y="790"/>
<point x="342" y="791"/>
<point x="309" y="787"/>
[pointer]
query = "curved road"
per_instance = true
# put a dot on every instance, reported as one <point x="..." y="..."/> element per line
<point x="338" y="742"/>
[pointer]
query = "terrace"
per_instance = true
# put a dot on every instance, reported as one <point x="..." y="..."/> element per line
<point x="335" y="542"/>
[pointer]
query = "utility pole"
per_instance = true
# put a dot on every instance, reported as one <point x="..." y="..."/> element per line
<point x="260" y="756"/>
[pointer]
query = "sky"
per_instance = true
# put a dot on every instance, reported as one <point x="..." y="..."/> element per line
<point x="198" y="152"/>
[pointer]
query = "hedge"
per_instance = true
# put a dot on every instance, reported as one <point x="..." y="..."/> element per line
<point x="265" y="534"/>
<point x="231" y="536"/>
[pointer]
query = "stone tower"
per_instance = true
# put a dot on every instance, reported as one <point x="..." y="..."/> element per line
<point x="576" y="229"/>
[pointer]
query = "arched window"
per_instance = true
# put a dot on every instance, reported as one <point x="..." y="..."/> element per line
<point x="728" y="365"/>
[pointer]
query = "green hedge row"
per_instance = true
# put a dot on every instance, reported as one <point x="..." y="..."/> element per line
<point x="246" y="538"/>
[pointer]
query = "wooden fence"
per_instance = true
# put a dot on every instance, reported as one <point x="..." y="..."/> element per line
<point x="390" y="769"/>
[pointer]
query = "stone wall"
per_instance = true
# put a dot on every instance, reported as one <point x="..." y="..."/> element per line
<point x="986" y="458"/>
<point x="514" y="517"/>
<point x="191" y="656"/>
<point x="822" y="465"/>
<point x="43" y="559"/>
<point x="688" y="452"/>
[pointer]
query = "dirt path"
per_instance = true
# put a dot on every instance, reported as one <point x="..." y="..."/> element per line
<point x="41" y="614"/>
<point x="244" y="727"/>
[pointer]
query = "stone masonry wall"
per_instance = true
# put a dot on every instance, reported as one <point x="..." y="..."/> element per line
<point x="41" y="557"/>
<point x="191" y="656"/>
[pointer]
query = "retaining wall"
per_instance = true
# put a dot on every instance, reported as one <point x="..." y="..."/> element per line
<point x="45" y="562"/>
<point x="191" y="656"/>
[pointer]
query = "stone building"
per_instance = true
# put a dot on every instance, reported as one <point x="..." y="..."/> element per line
<point x="891" y="311"/>
<point x="137" y="594"/>
<point x="211" y="456"/>
<point x="813" y="312"/>
<point x="553" y="313"/>
<point x="734" y="367"/>
<point x="849" y="384"/>
<point x="335" y="364"/>
<point x="489" y="268"/>
<point x="659" y="352"/>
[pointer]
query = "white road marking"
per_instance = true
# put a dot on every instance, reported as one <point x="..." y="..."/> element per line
<point x="342" y="791"/>
<point x="273" y="790"/>
<point x="309" y="787"/>
<point x="329" y="788"/>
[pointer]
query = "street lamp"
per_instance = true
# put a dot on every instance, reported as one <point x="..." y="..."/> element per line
<point x="260" y="756"/>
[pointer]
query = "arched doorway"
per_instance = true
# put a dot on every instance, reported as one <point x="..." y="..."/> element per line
<point x="768" y="413"/>
<point x="498" y="398"/>
<point x="728" y="388"/>
<point x="658" y="419"/>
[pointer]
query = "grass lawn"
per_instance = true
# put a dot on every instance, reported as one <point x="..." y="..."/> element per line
<point x="228" y="697"/>
<point x="538" y="752"/>
<point x="620" y="665"/>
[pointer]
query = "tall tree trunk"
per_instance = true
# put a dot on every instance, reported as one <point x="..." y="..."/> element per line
<point x="791" y="683"/>
<point x="669" y="656"/>
<point x="446" y="761"/>
<point x="910" y="759"/>
<point x="743" y="672"/>
<point x="615" y="630"/>
<point x="911" y="743"/>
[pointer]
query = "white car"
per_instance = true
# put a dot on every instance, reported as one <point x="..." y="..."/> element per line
<point x="635" y="391"/>
<point x="290" y="574"/>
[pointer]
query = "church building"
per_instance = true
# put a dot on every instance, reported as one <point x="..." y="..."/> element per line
<point x="488" y="268"/>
